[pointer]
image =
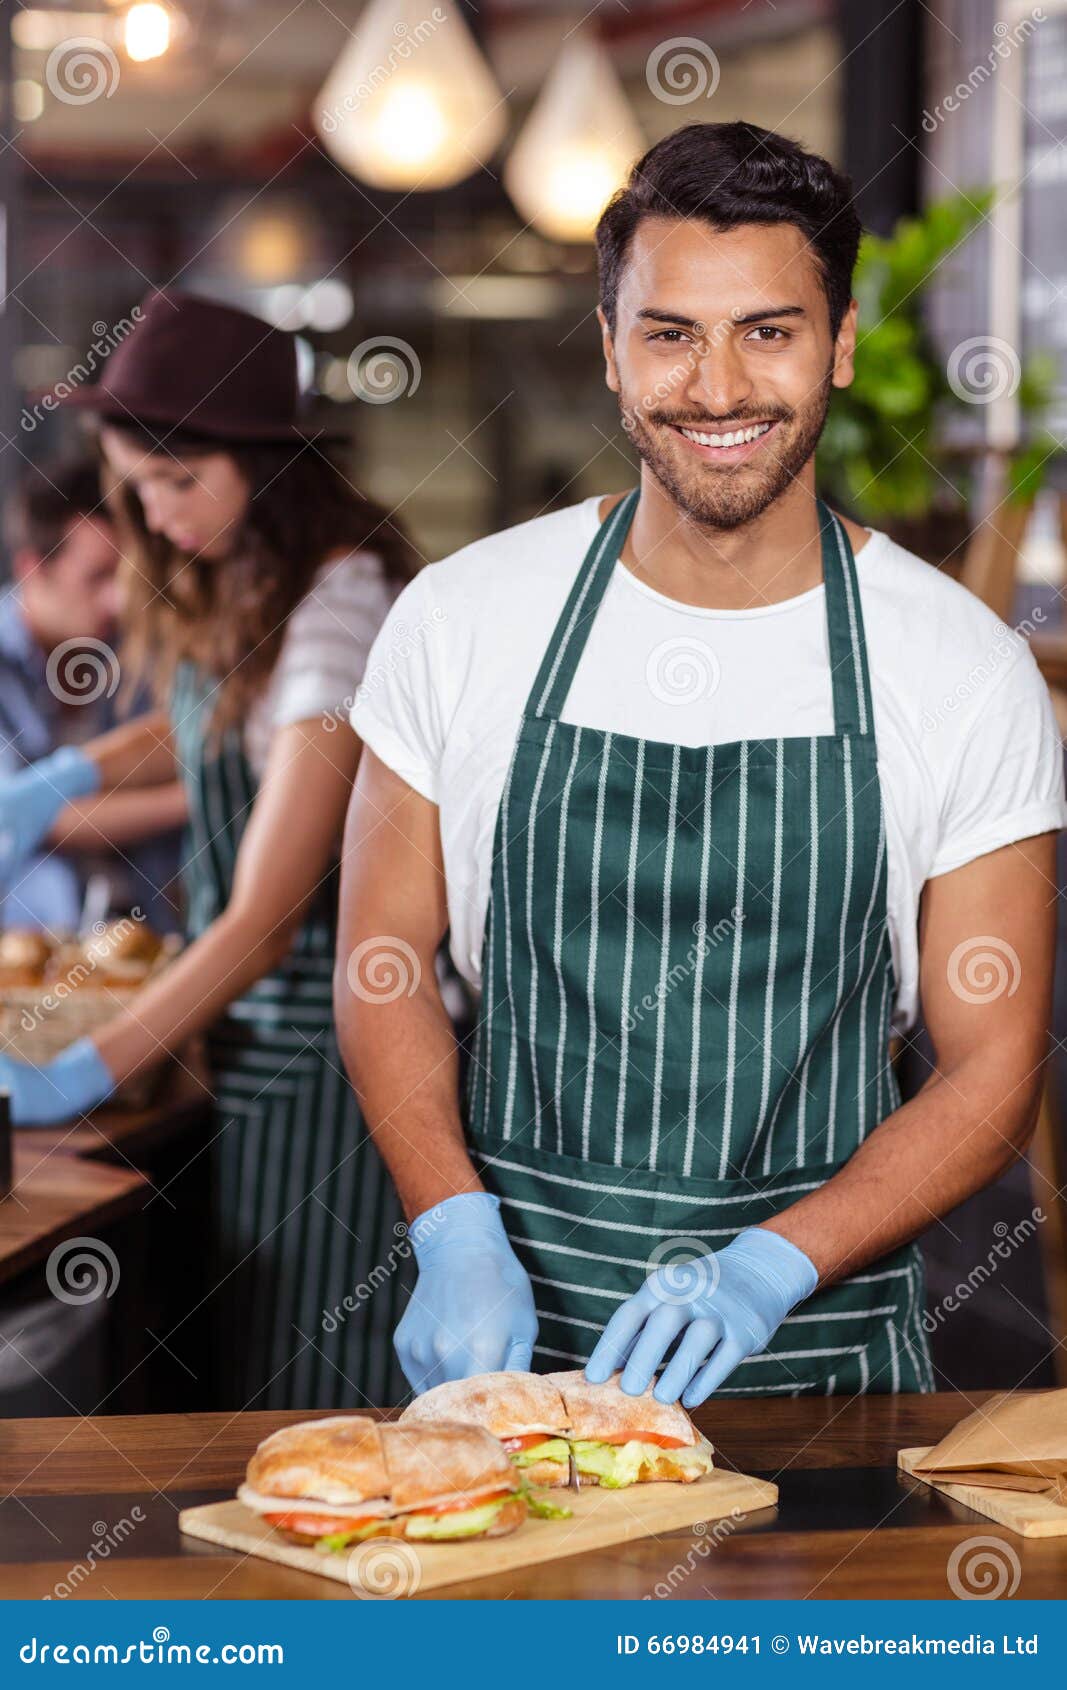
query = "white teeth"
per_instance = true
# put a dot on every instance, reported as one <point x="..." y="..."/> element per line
<point x="739" y="437"/>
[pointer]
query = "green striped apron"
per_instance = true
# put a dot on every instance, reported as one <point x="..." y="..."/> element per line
<point x="687" y="984"/>
<point x="304" y="1214"/>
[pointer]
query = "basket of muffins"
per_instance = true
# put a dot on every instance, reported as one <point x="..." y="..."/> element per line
<point x="55" y="990"/>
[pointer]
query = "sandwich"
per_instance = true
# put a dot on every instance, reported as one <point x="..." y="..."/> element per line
<point x="523" y="1410"/>
<point x="556" y="1426"/>
<point x="337" y="1481"/>
<point x="619" y="1440"/>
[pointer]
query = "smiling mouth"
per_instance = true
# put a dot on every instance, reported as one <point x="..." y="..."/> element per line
<point x="725" y="440"/>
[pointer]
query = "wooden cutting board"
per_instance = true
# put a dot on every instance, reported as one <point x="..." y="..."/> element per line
<point x="1021" y="1511"/>
<point x="392" y="1567"/>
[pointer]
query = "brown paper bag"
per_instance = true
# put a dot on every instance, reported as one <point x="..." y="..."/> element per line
<point x="1015" y="1441"/>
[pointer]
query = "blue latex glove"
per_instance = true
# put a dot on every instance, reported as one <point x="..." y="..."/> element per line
<point x="725" y="1306"/>
<point x="74" y="1081"/>
<point x="472" y="1309"/>
<point x="31" y="800"/>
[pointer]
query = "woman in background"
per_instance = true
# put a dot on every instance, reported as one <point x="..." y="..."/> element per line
<point x="259" y="579"/>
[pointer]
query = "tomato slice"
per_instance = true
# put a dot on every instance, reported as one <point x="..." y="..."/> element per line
<point x="317" y="1525"/>
<point x="324" y="1525"/>
<point x="644" y="1438"/>
<point x="526" y="1440"/>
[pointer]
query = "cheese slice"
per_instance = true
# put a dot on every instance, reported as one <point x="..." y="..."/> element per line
<point x="261" y="1504"/>
<point x="377" y="1507"/>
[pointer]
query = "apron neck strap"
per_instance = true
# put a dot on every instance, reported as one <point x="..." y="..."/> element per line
<point x="847" y="646"/>
<point x="563" y="654"/>
<point x="849" y="672"/>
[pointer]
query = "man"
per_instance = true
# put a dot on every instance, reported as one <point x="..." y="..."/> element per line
<point x="699" y="763"/>
<point x="58" y="679"/>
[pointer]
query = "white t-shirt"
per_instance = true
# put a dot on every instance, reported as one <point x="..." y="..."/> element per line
<point x="324" y="649"/>
<point x="969" y="753"/>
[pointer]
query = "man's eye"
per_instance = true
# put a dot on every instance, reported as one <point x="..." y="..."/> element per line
<point x="768" y="329"/>
<point x="670" y="335"/>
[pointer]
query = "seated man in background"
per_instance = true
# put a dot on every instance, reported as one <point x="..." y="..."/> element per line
<point x="58" y="680"/>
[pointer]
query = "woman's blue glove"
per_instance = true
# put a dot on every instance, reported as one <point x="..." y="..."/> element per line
<point x="31" y="800"/>
<point x="472" y="1309"/>
<point x="726" y="1306"/>
<point x="74" y="1081"/>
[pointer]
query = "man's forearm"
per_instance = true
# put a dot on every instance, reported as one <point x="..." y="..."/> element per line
<point x="958" y="1134"/>
<point x="403" y="1062"/>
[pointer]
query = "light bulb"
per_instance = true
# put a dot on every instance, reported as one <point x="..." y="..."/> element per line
<point x="411" y="102"/>
<point x="147" y="32"/>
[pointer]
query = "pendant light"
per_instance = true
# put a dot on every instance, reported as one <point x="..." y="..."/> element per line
<point x="411" y="103"/>
<point x="576" y="146"/>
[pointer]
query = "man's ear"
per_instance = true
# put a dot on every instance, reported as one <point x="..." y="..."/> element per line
<point x="611" y="373"/>
<point x="845" y="347"/>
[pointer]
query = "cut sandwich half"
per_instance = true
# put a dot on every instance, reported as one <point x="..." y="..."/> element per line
<point x="523" y="1410"/>
<point x="337" y="1481"/>
<point x="619" y="1440"/>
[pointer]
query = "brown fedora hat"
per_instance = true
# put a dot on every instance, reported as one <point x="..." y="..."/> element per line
<point x="196" y="364"/>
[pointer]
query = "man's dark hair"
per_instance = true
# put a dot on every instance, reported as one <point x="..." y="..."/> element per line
<point x="727" y="174"/>
<point x="47" y="500"/>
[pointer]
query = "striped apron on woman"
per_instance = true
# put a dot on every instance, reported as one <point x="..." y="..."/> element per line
<point x="310" y="1267"/>
<point x="686" y="993"/>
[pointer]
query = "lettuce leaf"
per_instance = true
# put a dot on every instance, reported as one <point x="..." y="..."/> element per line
<point x="618" y="1465"/>
<point x="552" y="1449"/>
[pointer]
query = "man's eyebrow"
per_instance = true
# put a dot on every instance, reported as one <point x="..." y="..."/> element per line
<point x="651" y="315"/>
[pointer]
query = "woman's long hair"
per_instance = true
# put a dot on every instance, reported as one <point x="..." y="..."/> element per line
<point x="228" y="615"/>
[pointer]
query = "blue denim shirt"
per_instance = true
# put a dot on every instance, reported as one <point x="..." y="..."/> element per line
<point x="33" y="723"/>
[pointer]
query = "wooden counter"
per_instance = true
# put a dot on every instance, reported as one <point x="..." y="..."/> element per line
<point x="847" y="1525"/>
<point x="56" y="1197"/>
<point x="62" y="1185"/>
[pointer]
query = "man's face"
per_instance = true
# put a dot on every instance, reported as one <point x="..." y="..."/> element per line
<point x="724" y="334"/>
<point x="73" y="593"/>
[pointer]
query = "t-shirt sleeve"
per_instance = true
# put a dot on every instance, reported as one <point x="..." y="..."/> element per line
<point x="1007" y="777"/>
<point x="328" y="640"/>
<point x="398" y="709"/>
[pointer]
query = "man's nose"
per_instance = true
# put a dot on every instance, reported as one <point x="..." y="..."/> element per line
<point x="720" y="383"/>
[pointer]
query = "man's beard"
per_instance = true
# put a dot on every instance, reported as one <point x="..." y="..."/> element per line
<point x="729" y="497"/>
